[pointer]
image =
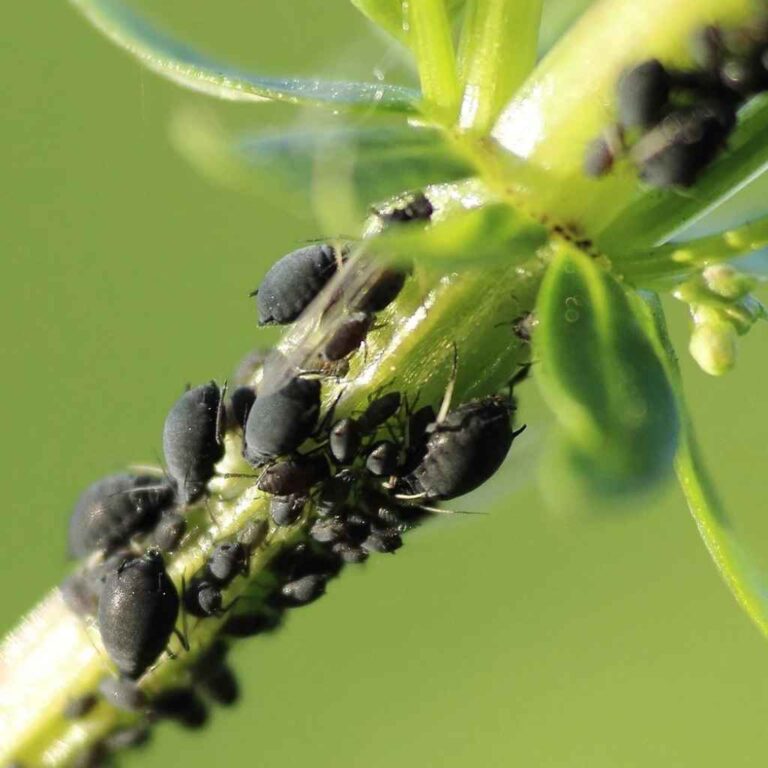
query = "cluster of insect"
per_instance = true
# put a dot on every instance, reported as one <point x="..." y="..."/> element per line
<point x="672" y="123"/>
<point x="349" y="486"/>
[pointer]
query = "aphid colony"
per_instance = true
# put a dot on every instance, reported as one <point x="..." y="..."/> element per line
<point x="672" y="123"/>
<point x="348" y="486"/>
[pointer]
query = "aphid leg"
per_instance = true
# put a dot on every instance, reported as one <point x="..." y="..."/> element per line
<point x="325" y="423"/>
<point x="182" y="639"/>
<point x="445" y="406"/>
<point x="519" y="430"/>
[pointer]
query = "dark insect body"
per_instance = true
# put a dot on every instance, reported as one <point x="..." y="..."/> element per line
<point x="344" y="441"/>
<point x="328" y="530"/>
<point x="227" y="560"/>
<point x="280" y="421"/>
<point x="182" y="705"/>
<point x="202" y="599"/>
<point x="253" y="534"/>
<point x="294" y="476"/>
<point x="599" y="158"/>
<point x="169" y="531"/>
<point x="128" y="738"/>
<point x="382" y="291"/>
<point x="286" y="510"/>
<point x="250" y="624"/>
<point x="417" y="208"/>
<point x="303" y="591"/>
<point x="379" y="411"/>
<point x="192" y="440"/>
<point x="79" y="707"/>
<point x="643" y="92"/>
<point x="293" y="282"/>
<point x="382" y="459"/>
<point x="240" y="403"/>
<point x="385" y="541"/>
<point x="349" y="553"/>
<point x="348" y="337"/>
<point x="463" y="450"/>
<point x="114" y="509"/>
<point x="220" y="684"/>
<point x="137" y="613"/>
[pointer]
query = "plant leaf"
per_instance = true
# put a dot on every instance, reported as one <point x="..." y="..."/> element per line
<point x="743" y="578"/>
<point x="310" y="170"/>
<point x="497" y="52"/>
<point x="388" y="14"/>
<point x="185" y="66"/>
<point x="601" y="375"/>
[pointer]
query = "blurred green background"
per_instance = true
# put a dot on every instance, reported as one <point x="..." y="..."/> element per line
<point x="582" y="635"/>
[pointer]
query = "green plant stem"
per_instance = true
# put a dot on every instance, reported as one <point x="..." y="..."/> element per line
<point x="55" y="656"/>
<point x="431" y="40"/>
<point x="497" y="52"/>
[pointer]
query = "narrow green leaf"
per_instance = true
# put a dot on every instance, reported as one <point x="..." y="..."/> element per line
<point x="601" y="376"/>
<point x="676" y="261"/>
<point x="185" y="66"/>
<point x="496" y="53"/>
<point x="492" y="235"/>
<point x="431" y="39"/>
<point x="388" y="14"/>
<point x="747" y="583"/>
<point x="303" y="169"/>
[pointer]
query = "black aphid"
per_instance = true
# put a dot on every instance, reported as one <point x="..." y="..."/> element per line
<point x="244" y="374"/>
<point x="294" y="476"/>
<point x="80" y="706"/>
<point x="382" y="291"/>
<point x="349" y="335"/>
<point x="169" y="531"/>
<point x="192" y="440"/>
<point x="328" y="530"/>
<point x="228" y="559"/>
<point x="79" y="594"/>
<point x="253" y="534"/>
<point x="417" y="208"/>
<point x="463" y="450"/>
<point x="385" y="540"/>
<point x="675" y="153"/>
<point x="137" y="613"/>
<point x="250" y="624"/>
<point x="643" y="92"/>
<point x="123" y="694"/>
<point x="182" y="705"/>
<point x="293" y="282"/>
<point x="220" y="684"/>
<point x="382" y="459"/>
<point x="115" y="508"/>
<point x="286" y="510"/>
<point x="379" y="411"/>
<point x="280" y="421"/>
<point x="92" y="757"/>
<point x="128" y="738"/>
<point x="240" y="402"/>
<point x="334" y="493"/>
<point x="203" y="598"/>
<point x="305" y="560"/>
<point x="349" y="553"/>
<point x="303" y="590"/>
<point x="344" y="440"/>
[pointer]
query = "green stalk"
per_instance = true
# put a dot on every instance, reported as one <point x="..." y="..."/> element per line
<point x="431" y="40"/>
<point x="497" y="52"/>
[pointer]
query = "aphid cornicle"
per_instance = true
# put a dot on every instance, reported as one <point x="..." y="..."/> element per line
<point x="463" y="450"/>
<point x="294" y="281"/>
<point x="281" y="420"/>
<point x="192" y="440"/>
<point x="137" y="613"/>
<point x="115" y="508"/>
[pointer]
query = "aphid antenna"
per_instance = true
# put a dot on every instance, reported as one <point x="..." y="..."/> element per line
<point x="325" y="423"/>
<point x="440" y="511"/>
<point x="445" y="406"/>
<point x="210" y="514"/>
